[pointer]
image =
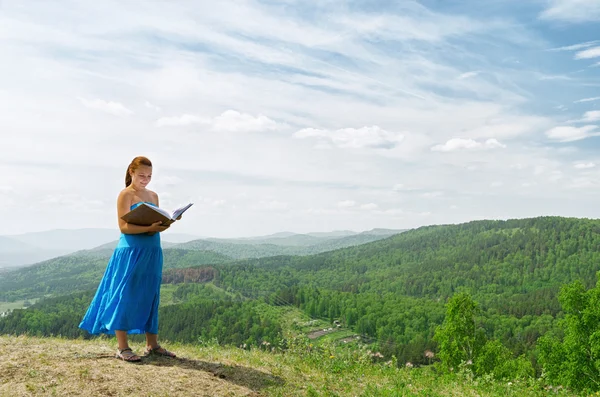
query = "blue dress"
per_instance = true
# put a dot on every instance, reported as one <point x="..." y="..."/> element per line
<point x="128" y="296"/>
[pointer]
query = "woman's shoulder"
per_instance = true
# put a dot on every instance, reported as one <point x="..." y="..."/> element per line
<point x="153" y="194"/>
<point x="126" y="194"/>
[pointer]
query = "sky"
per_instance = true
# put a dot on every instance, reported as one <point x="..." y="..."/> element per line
<point x="300" y="116"/>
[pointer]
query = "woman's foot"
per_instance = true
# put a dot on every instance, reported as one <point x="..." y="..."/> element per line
<point x="159" y="351"/>
<point x="127" y="355"/>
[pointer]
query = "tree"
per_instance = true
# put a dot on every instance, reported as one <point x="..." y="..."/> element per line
<point x="574" y="361"/>
<point x="457" y="337"/>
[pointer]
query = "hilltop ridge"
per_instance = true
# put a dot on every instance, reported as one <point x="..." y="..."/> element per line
<point x="54" y="366"/>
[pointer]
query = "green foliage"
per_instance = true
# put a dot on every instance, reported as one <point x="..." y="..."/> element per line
<point x="574" y="359"/>
<point x="497" y="360"/>
<point x="464" y="346"/>
<point x="392" y="291"/>
<point x="72" y="273"/>
<point x="206" y="314"/>
<point x="457" y="337"/>
<point x="57" y="276"/>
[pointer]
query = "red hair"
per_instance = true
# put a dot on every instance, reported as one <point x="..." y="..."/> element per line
<point x="135" y="163"/>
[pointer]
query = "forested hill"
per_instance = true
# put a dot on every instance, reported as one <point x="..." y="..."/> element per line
<point x="391" y="292"/>
<point x="295" y="245"/>
<point x="523" y="259"/>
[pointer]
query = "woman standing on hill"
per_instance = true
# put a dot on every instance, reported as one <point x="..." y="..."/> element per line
<point x="128" y="296"/>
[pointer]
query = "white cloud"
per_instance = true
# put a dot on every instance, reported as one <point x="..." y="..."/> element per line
<point x="496" y="184"/>
<point x="234" y="121"/>
<point x="589" y="53"/>
<point x="591" y="99"/>
<point x="372" y="137"/>
<point x="583" y="166"/>
<point x="218" y="69"/>
<point x="72" y="200"/>
<point x="346" y="204"/>
<point x="582" y="183"/>
<point x="228" y="121"/>
<point x="468" y="75"/>
<point x="400" y="187"/>
<point x="111" y="107"/>
<point x="180" y="121"/>
<point x="575" y="47"/>
<point x="272" y="205"/>
<point x="591" y="116"/>
<point x="430" y="195"/>
<point x="210" y="201"/>
<point x="369" y="206"/>
<point x="170" y="180"/>
<point x="455" y="144"/>
<point x="570" y="134"/>
<point x="539" y="169"/>
<point x="151" y="106"/>
<point x="574" y="11"/>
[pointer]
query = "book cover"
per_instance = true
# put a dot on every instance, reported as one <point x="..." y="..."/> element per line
<point x="145" y="215"/>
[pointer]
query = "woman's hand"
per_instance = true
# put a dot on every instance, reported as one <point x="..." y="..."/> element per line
<point x="157" y="227"/>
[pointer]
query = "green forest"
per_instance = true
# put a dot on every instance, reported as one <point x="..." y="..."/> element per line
<point x="508" y="299"/>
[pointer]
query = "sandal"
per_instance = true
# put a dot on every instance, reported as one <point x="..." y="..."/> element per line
<point x="131" y="356"/>
<point x="159" y="351"/>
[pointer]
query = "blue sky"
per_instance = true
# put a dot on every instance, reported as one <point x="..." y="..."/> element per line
<point x="301" y="115"/>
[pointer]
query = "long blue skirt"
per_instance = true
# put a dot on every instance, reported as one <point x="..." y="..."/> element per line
<point x="128" y="296"/>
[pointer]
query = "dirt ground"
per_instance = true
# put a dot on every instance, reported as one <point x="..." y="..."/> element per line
<point x="40" y="367"/>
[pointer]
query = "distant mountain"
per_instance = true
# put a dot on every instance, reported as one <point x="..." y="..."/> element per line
<point x="269" y="236"/>
<point x="335" y="233"/>
<point x="82" y="268"/>
<point x="14" y="253"/>
<point x="29" y="248"/>
<point x="349" y="241"/>
<point x="82" y="271"/>
<point x="8" y="244"/>
<point x="384" y="232"/>
<point x="238" y="250"/>
<point x="292" y="240"/>
<point x="67" y="239"/>
<point x="288" y="239"/>
<point x="297" y="244"/>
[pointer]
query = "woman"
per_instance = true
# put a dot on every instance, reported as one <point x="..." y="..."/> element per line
<point x="128" y="296"/>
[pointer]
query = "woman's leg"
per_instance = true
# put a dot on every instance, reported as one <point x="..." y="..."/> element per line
<point x="122" y="339"/>
<point x="152" y="344"/>
<point x="123" y="343"/>
<point x="151" y="340"/>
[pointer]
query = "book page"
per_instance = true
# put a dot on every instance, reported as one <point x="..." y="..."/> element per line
<point x="162" y="211"/>
<point x="181" y="210"/>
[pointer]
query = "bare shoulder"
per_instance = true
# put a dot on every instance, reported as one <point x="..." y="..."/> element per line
<point x="153" y="194"/>
<point x="125" y="194"/>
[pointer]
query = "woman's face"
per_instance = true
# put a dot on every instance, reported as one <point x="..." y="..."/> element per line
<point x="141" y="176"/>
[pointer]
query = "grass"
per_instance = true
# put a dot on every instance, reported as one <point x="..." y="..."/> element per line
<point x="60" y="367"/>
<point x="6" y="306"/>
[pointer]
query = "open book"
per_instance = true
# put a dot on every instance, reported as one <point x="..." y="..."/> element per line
<point x="146" y="214"/>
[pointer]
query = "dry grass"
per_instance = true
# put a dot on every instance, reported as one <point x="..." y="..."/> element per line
<point x="57" y="367"/>
<point x="61" y="367"/>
